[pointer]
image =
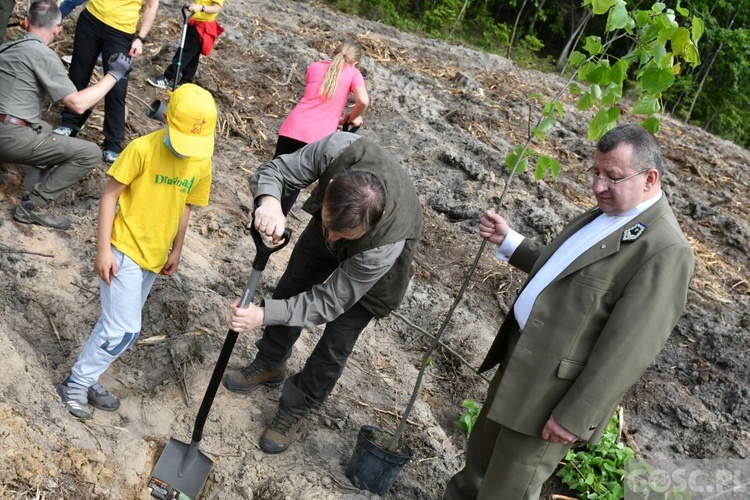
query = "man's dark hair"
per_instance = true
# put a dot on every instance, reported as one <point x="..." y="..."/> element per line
<point x="44" y="14"/>
<point x="354" y="200"/>
<point x="646" y="149"/>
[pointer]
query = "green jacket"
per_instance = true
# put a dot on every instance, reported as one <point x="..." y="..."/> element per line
<point x="595" y="329"/>
<point x="401" y="221"/>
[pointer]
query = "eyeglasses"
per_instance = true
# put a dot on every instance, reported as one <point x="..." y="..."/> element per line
<point x="612" y="182"/>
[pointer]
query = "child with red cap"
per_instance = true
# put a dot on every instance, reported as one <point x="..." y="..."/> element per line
<point x="154" y="181"/>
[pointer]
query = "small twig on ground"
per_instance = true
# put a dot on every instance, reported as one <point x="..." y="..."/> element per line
<point x="631" y="442"/>
<point x="333" y="478"/>
<point x="288" y="78"/>
<point x="7" y="249"/>
<point x="54" y="328"/>
<point x="379" y="410"/>
<point x="91" y="433"/>
<point x="82" y="288"/>
<point x="394" y="414"/>
<point x="441" y="344"/>
<point x="180" y="370"/>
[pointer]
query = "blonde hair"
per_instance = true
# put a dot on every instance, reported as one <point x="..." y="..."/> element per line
<point x="349" y="52"/>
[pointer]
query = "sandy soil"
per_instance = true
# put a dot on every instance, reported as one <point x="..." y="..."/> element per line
<point x="692" y="403"/>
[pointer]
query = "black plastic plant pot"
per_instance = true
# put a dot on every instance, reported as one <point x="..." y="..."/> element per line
<point x="373" y="468"/>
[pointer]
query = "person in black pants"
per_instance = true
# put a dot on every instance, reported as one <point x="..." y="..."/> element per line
<point x="101" y="28"/>
<point x="202" y="31"/>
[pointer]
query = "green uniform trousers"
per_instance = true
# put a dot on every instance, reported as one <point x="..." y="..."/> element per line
<point x="37" y="145"/>
<point x="502" y="464"/>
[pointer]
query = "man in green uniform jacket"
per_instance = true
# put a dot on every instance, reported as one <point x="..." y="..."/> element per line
<point x="598" y="305"/>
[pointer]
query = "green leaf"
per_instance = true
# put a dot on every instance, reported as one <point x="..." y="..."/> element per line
<point x="602" y="122"/>
<point x="682" y="10"/>
<point x="560" y="110"/>
<point x="602" y="6"/>
<point x="546" y="164"/>
<point x="619" y="71"/>
<point x="514" y="162"/>
<point x="593" y="45"/>
<point x="611" y="95"/>
<point x="646" y="105"/>
<point x="540" y="130"/>
<point x="599" y="74"/>
<point x="698" y="29"/>
<point x="680" y="39"/>
<point x="691" y="55"/>
<point x="656" y="80"/>
<point x="618" y="17"/>
<point x="577" y="58"/>
<point x="586" y="101"/>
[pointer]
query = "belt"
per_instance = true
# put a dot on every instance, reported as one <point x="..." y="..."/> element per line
<point x="13" y="120"/>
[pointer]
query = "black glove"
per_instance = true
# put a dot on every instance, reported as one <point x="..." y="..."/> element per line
<point x="119" y="65"/>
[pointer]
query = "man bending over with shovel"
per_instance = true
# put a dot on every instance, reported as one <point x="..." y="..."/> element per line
<point x="352" y="263"/>
<point x="143" y="216"/>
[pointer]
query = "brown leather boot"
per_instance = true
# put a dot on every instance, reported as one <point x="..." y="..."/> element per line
<point x="280" y="434"/>
<point x="250" y="378"/>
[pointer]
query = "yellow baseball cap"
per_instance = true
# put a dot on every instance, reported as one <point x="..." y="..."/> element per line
<point x="191" y="117"/>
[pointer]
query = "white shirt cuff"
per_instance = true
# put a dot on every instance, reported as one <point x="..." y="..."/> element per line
<point x="510" y="243"/>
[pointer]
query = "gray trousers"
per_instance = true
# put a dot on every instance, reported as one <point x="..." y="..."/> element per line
<point x="311" y="263"/>
<point x="119" y="325"/>
<point x="74" y="158"/>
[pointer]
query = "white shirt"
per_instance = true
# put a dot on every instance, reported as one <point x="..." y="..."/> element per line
<point x="570" y="250"/>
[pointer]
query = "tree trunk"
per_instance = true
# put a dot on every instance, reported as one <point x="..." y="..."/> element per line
<point x="536" y="16"/>
<point x="575" y="35"/>
<point x="708" y="69"/>
<point x="459" y="16"/>
<point x="515" y="26"/>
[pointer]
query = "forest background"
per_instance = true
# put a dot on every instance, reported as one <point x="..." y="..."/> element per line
<point x="714" y="95"/>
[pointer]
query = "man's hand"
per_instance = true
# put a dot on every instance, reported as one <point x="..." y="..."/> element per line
<point x="269" y="218"/>
<point x="119" y="65"/>
<point x="557" y="433"/>
<point x="244" y="320"/>
<point x="105" y="265"/>
<point x="493" y="228"/>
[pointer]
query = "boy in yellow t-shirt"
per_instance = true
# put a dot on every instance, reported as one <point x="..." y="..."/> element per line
<point x="202" y="31"/>
<point x="155" y="181"/>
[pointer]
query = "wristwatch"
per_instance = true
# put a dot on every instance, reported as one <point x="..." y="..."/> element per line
<point x="203" y="8"/>
<point x="139" y="37"/>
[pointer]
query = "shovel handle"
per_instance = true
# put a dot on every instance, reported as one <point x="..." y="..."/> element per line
<point x="263" y="252"/>
<point x="186" y="13"/>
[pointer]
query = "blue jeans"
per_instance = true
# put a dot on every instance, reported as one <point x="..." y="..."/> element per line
<point x="93" y="37"/>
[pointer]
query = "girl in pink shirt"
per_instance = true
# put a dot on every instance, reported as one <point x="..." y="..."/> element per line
<point x="318" y="113"/>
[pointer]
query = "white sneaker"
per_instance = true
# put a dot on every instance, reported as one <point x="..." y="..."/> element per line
<point x="63" y="130"/>
<point x="67" y="58"/>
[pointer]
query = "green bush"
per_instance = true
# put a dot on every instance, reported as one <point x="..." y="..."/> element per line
<point x="597" y="471"/>
<point x="468" y="419"/>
